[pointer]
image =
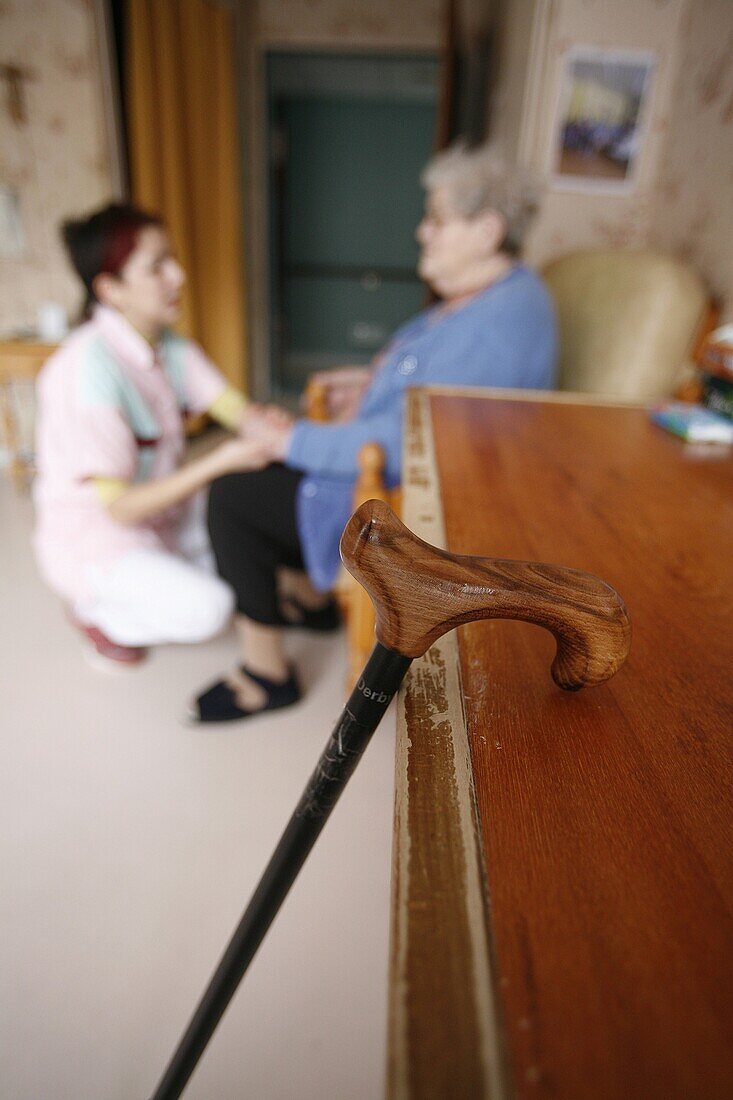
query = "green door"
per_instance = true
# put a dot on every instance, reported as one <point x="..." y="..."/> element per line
<point x="349" y="141"/>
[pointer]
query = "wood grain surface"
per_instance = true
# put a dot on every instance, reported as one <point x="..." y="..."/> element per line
<point x="443" y="1023"/>
<point x="605" y="817"/>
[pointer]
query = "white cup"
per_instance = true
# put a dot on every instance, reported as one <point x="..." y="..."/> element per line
<point x="51" y="322"/>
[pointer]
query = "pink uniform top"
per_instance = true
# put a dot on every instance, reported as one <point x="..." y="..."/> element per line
<point x="110" y="406"/>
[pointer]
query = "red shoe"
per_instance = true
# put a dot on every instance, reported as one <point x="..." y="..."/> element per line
<point x="106" y="653"/>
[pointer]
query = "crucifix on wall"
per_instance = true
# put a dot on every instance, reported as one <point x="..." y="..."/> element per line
<point x="14" y="76"/>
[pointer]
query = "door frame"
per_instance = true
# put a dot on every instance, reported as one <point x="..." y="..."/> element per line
<point x="253" y="113"/>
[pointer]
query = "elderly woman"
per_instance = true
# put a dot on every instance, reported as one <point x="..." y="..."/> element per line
<point x="494" y="326"/>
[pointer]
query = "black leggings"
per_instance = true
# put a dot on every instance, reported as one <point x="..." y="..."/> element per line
<point x="253" y="531"/>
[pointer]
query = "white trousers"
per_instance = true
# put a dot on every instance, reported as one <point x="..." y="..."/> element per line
<point x="153" y="597"/>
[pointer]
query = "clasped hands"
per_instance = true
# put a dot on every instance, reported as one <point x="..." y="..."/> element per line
<point x="263" y="437"/>
<point x="270" y="428"/>
<point x="265" y="430"/>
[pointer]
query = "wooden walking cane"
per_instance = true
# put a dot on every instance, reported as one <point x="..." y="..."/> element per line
<point x="419" y="593"/>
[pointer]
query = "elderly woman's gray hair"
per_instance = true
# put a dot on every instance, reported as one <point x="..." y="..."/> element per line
<point x="478" y="180"/>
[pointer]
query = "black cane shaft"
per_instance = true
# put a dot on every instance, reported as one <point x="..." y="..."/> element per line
<point x="362" y="714"/>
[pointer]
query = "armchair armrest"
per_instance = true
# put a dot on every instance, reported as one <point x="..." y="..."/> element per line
<point x="315" y="400"/>
<point x="355" y="605"/>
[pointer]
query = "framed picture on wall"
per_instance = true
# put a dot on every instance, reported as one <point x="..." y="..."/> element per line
<point x="602" y="119"/>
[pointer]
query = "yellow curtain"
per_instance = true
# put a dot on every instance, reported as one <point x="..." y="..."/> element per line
<point x="183" y="152"/>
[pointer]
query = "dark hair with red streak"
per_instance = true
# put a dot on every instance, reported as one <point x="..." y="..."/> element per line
<point x="102" y="242"/>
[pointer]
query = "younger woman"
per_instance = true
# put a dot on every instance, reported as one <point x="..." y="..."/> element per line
<point x="116" y="533"/>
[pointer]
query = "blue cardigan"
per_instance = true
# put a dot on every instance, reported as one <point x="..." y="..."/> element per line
<point x="503" y="337"/>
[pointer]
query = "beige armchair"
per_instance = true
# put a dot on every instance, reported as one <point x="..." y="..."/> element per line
<point x="629" y="321"/>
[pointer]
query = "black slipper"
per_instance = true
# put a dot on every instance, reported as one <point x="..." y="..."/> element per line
<point x="218" y="703"/>
<point x="322" y="619"/>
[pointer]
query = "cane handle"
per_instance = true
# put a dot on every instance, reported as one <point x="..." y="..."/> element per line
<point x="420" y="592"/>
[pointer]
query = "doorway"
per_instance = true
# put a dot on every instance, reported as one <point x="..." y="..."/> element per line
<point x="347" y="138"/>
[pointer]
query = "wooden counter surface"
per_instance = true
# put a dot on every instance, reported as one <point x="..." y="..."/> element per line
<point x="563" y="874"/>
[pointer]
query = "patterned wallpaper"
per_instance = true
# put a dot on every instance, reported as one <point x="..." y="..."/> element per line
<point x="571" y="219"/>
<point x="386" y="24"/>
<point x="682" y="202"/>
<point x="693" y="210"/>
<point x="56" y="161"/>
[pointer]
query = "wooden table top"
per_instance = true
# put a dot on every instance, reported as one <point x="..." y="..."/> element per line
<point x="563" y="877"/>
<point x="23" y="358"/>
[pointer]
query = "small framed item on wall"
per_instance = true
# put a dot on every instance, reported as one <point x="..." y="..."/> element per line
<point x="602" y="119"/>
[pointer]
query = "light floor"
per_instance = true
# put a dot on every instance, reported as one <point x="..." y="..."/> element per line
<point x="130" y="845"/>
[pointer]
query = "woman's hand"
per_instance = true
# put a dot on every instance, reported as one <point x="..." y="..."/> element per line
<point x="272" y="433"/>
<point x="238" y="455"/>
<point x="139" y="502"/>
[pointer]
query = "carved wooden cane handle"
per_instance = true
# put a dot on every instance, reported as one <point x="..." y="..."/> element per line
<point x="420" y="592"/>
